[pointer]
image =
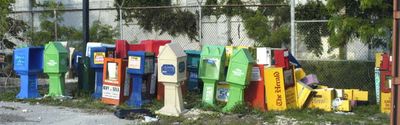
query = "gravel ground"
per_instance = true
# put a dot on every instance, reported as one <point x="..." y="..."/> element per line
<point x="15" y="113"/>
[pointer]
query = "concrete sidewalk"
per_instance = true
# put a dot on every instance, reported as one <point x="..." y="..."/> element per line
<point x="16" y="113"/>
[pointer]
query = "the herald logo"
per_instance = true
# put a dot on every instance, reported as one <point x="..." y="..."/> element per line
<point x="278" y="89"/>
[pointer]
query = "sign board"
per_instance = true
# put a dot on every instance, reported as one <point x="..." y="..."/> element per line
<point x="134" y="62"/>
<point x="222" y="93"/>
<point x="168" y="69"/>
<point x="99" y="57"/>
<point x="20" y="60"/>
<point x="111" y="92"/>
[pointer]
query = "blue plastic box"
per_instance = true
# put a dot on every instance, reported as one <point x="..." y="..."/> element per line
<point x="28" y="63"/>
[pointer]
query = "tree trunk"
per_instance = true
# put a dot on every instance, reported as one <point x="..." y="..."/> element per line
<point x="229" y="32"/>
<point x="343" y="53"/>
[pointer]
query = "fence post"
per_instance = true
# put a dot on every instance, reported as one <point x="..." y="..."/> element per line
<point x="31" y="20"/>
<point x="292" y="28"/>
<point x="121" y="30"/>
<point x="55" y="24"/>
<point x="199" y="2"/>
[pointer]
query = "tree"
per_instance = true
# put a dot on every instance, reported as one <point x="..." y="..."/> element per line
<point x="268" y="26"/>
<point x="50" y="25"/>
<point x="102" y="32"/>
<point x="368" y="20"/>
<point x="9" y="26"/>
<point x="312" y="32"/>
<point x="99" y="32"/>
<point x="174" y="21"/>
<point x="4" y="11"/>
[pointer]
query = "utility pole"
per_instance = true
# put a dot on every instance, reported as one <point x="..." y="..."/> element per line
<point x="394" y="113"/>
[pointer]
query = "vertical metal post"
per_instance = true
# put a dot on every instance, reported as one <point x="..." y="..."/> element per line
<point x="55" y="23"/>
<point x="121" y="28"/>
<point x="199" y="2"/>
<point x="85" y="22"/>
<point x="394" y="113"/>
<point x="32" y="18"/>
<point x="292" y="28"/>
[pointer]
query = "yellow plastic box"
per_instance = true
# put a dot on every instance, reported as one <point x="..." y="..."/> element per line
<point x="299" y="74"/>
<point x="303" y="92"/>
<point x="348" y="94"/>
<point x="344" y="106"/>
<point x="378" y="60"/>
<point x="322" y="99"/>
<point x="386" y="101"/>
<point x="279" y="95"/>
<point x="322" y="87"/>
<point x="359" y="95"/>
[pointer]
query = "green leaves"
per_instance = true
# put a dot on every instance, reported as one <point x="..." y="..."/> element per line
<point x="366" y="4"/>
<point x="256" y="29"/>
<point x="4" y="10"/>
<point x="368" y="20"/>
<point x="98" y="32"/>
<point x="311" y="32"/>
<point x="164" y="20"/>
<point x="102" y="33"/>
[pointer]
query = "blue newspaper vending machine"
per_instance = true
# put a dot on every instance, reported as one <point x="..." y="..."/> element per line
<point x="28" y="63"/>
<point x="140" y="67"/>
<point x="97" y="55"/>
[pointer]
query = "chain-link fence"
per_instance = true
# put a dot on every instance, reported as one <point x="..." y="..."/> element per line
<point x="355" y="70"/>
<point x="245" y="25"/>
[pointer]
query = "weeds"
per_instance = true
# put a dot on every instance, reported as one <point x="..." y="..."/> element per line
<point x="240" y="114"/>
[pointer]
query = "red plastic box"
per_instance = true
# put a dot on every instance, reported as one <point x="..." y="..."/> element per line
<point x="281" y="58"/>
<point x="121" y="48"/>
<point x="154" y="45"/>
<point x="255" y="92"/>
<point x="137" y="47"/>
<point x="386" y="63"/>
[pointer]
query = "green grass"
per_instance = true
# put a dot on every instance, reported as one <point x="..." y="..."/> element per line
<point x="241" y="114"/>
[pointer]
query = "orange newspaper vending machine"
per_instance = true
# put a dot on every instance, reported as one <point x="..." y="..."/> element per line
<point x="114" y="90"/>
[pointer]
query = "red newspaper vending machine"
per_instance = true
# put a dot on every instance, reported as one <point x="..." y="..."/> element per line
<point x="255" y="91"/>
<point x="121" y="49"/>
<point x="386" y="81"/>
<point x="281" y="57"/>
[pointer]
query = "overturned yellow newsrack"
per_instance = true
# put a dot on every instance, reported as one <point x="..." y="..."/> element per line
<point x="322" y="99"/>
